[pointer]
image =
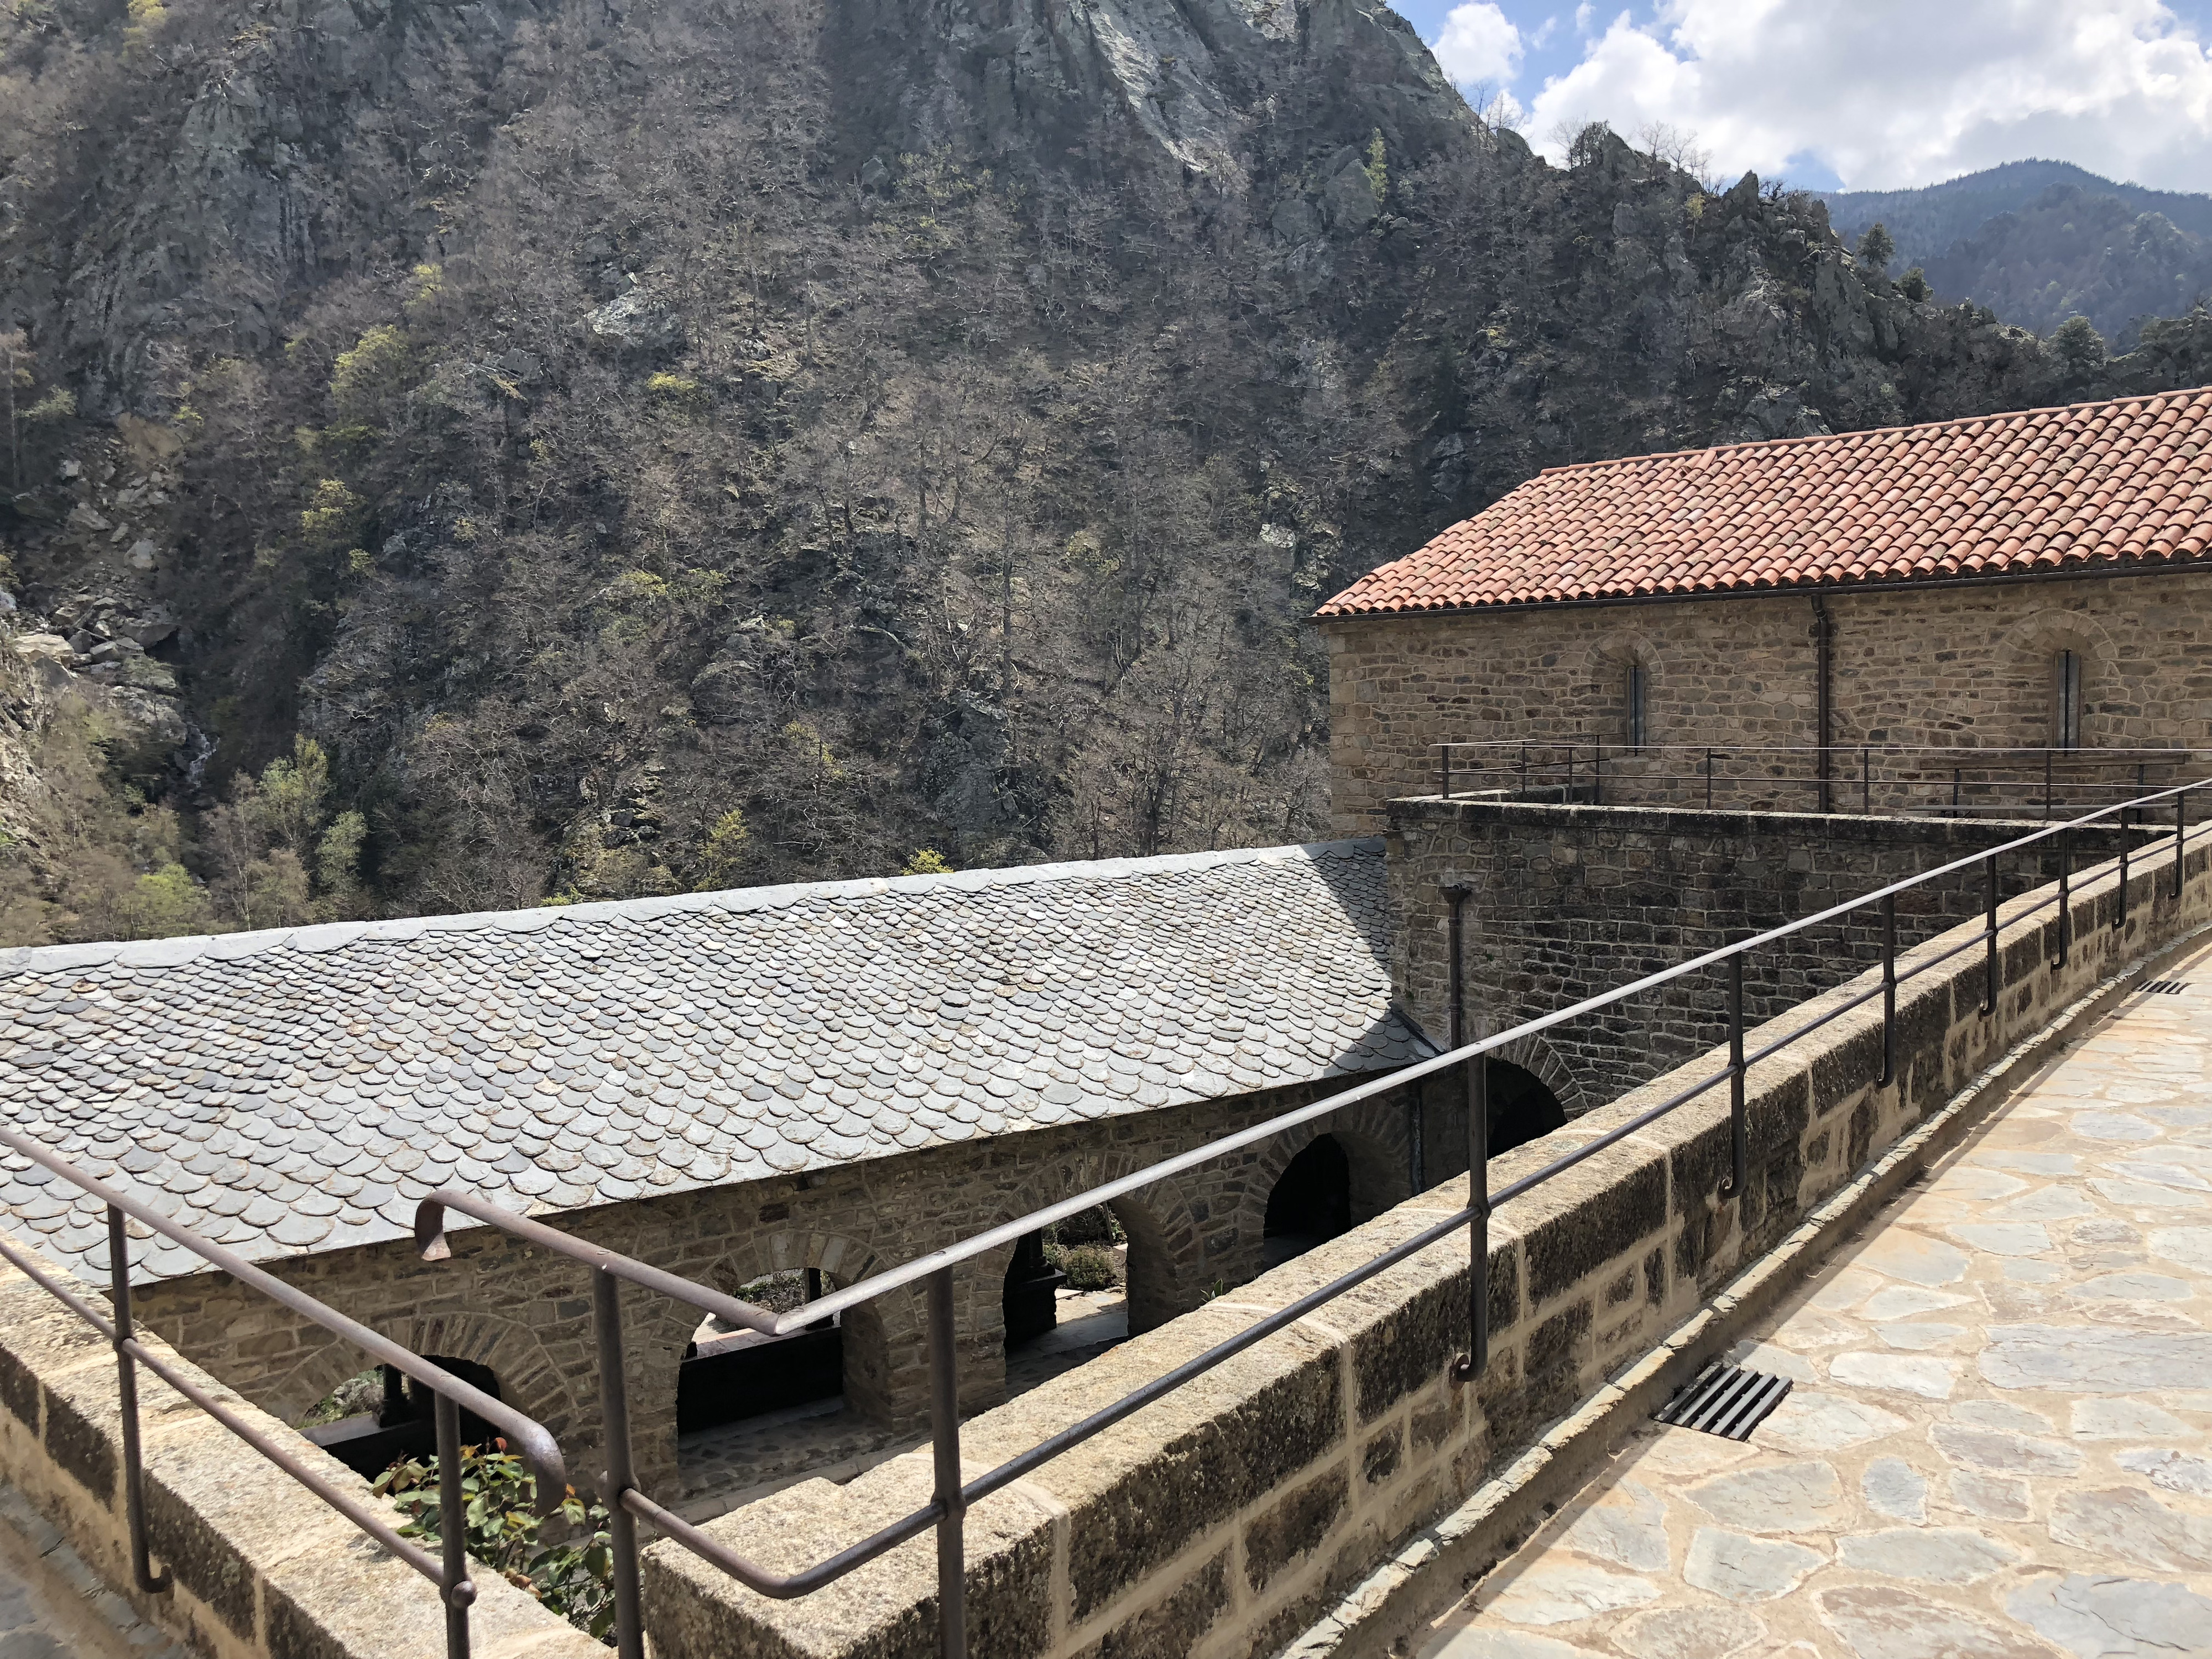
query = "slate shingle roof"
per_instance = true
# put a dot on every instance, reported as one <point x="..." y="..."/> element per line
<point x="296" y="1090"/>
<point x="2088" y="487"/>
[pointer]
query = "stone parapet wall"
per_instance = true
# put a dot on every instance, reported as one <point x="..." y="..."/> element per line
<point x="1564" y="902"/>
<point x="263" y="1569"/>
<point x="1218" y="1522"/>
<point x="1970" y="665"/>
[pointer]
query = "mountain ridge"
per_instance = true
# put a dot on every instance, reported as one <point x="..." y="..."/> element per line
<point x="529" y="453"/>
<point x="2040" y="241"/>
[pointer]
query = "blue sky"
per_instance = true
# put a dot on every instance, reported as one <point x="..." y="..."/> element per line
<point x="1855" y="93"/>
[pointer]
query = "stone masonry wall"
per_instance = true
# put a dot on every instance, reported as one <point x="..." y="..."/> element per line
<point x="1218" y="1523"/>
<point x="1566" y="902"/>
<point x="527" y="1314"/>
<point x="262" y="1568"/>
<point x="1944" y="666"/>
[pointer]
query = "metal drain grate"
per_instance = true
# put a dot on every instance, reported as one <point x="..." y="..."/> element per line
<point x="2166" y="987"/>
<point x="1726" y="1400"/>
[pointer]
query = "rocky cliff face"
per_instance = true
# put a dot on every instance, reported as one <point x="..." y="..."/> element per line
<point x="750" y="439"/>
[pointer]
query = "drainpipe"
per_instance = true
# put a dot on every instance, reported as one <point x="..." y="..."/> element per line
<point x="1823" y="633"/>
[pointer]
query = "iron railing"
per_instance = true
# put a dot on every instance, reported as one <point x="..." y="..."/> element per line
<point x="449" y="1569"/>
<point x="953" y="1497"/>
<point x="1910" y="779"/>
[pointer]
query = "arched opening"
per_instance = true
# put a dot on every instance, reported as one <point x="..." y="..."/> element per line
<point x="1310" y="1204"/>
<point x="1520" y="1107"/>
<point x="730" y="1374"/>
<point x="1066" y="1297"/>
<point x="384" y="1417"/>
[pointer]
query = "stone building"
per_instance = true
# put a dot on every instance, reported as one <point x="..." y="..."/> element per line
<point x="2033" y="580"/>
<point x="812" y="1080"/>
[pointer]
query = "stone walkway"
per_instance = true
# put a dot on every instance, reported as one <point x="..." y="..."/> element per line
<point x="1999" y="1441"/>
<point x="52" y="1607"/>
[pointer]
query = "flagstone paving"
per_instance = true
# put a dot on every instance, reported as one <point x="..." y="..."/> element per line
<point x="1998" y="1444"/>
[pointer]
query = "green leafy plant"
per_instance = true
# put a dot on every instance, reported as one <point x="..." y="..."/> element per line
<point x="1089" y="1267"/>
<point x="575" y="1578"/>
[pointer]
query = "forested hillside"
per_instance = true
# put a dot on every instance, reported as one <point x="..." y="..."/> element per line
<point x="2041" y="241"/>
<point x="462" y="457"/>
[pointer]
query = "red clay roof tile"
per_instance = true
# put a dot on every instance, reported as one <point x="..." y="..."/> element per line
<point x="2090" y="486"/>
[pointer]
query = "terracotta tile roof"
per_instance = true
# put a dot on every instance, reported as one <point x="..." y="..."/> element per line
<point x="2090" y="486"/>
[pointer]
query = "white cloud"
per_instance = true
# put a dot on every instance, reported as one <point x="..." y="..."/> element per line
<point x="1479" y="45"/>
<point x="1895" y="93"/>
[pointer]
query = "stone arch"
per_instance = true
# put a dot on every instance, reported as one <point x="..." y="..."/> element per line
<point x="2023" y="663"/>
<point x="1166" y="1260"/>
<point x="1533" y="1055"/>
<point x="530" y="1378"/>
<point x="1376" y="1147"/>
<point x="885" y="1339"/>
<point x="1606" y="669"/>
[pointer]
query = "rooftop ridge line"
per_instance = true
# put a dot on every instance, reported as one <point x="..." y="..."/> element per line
<point x="316" y="939"/>
<point x="1893" y="434"/>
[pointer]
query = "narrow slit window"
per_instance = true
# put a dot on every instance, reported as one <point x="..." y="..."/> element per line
<point x="2066" y="722"/>
<point x="1636" y="699"/>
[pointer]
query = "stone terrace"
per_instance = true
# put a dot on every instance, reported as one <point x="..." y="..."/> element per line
<point x="1999" y="1443"/>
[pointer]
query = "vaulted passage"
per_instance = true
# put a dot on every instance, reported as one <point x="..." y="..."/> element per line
<point x="1310" y="1202"/>
<point x="1520" y="1107"/>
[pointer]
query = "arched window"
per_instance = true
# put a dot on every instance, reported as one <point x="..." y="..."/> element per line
<point x="1638" y="685"/>
<point x="2066" y="700"/>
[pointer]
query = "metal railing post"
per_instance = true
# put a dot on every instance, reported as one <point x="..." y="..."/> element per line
<point x="1709" y="780"/>
<point x="127" y="1391"/>
<point x="2180" y="836"/>
<point x="1866" y="781"/>
<point x="2046" y="786"/>
<point x="1471" y="1364"/>
<point x="620" y="1473"/>
<point x="944" y="1443"/>
<point x="1889" y="989"/>
<point x="1446" y="750"/>
<point x="2065" y="898"/>
<point x="2121" y="920"/>
<point x="1739" y="1136"/>
<point x="1990" y="934"/>
<point x="454" y="1587"/>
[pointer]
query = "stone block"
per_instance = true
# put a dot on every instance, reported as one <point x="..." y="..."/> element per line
<point x="886" y="1609"/>
<point x="1293" y="1526"/>
<point x="1174" y="1625"/>
<point x="1606" y="1207"/>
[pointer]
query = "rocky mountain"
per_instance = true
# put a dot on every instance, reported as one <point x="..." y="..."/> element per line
<point x="587" y="452"/>
<point x="2041" y="241"/>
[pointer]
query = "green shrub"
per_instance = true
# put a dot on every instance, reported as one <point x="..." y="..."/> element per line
<point x="1089" y="1267"/>
<point x="574" y="1579"/>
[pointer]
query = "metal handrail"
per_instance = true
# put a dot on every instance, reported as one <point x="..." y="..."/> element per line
<point x="1576" y="765"/>
<point x="449" y="1570"/>
<point x="952" y="1496"/>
